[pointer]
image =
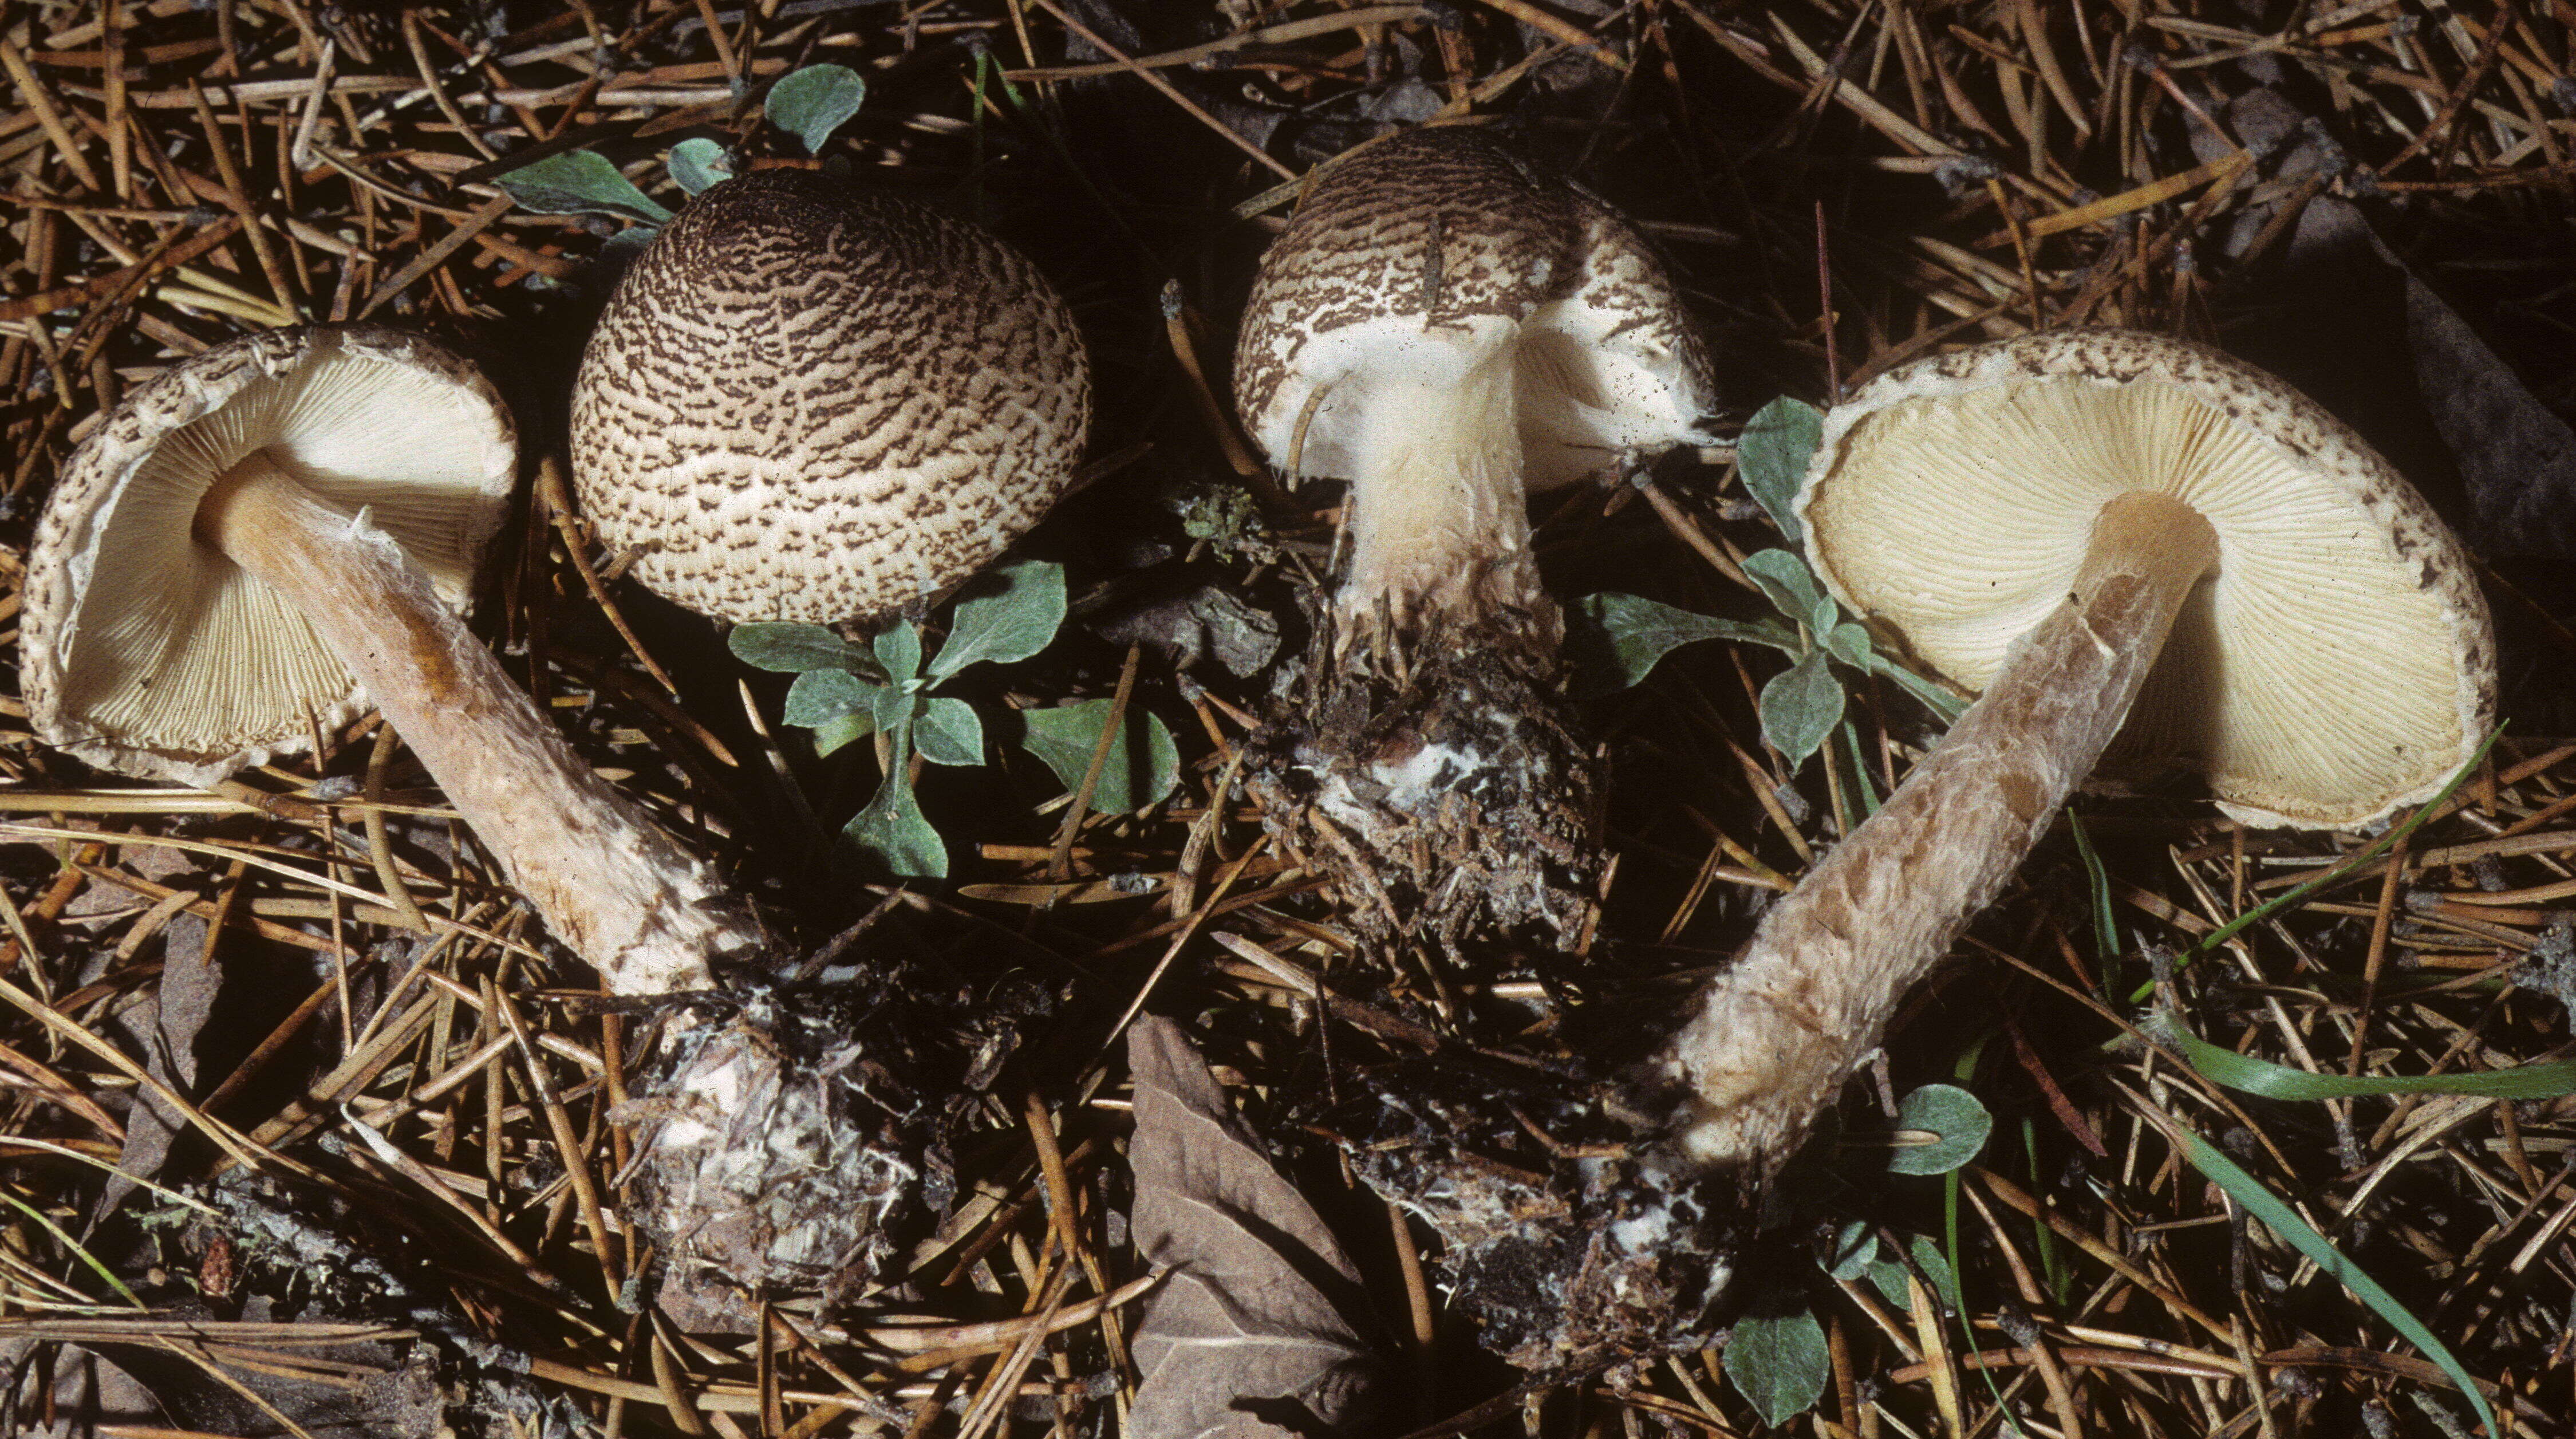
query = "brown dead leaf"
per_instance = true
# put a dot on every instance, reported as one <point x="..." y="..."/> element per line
<point x="1253" y="1335"/>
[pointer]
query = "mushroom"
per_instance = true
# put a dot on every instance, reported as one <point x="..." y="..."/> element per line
<point x="2034" y="518"/>
<point x="266" y="538"/>
<point x="1451" y="330"/>
<point x="809" y="401"/>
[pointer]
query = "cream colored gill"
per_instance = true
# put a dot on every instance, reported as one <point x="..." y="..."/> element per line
<point x="175" y="650"/>
<point x="2310" y="677"/>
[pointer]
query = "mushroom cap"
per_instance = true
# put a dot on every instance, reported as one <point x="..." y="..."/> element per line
<point x="144" y="650"/>
<point x="809" y="401"/>
<point x="1410" y="263"/>
<point x="2337" y="664"/>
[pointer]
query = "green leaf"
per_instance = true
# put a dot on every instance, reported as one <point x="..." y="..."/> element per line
<point x="821" y="696"/>
<point x="1855" y="1248"/>
<point x="1936" y="699"/>
<point x="948" y="732"/>
<point x="794" y="649"/>
<point x="2106" y="920"/>
<point x="1800" y="707"/>
<point x="1626" y="636"/>
<point x="1143" y="765"/>
<point x="1772" y="455"/>
<point x="892" y="829"/>
<point x="1936" y="1270"/>
<point x="813" y="102"/>
<point x="1779" y="1363"/>
<point x="698" y="163"/>
<point x="578" y="182"/>
<point x="899" y="650"/>
<point x="1009" y="615"/>
<point x="2279" y="1081"/>
<point x="2281" y="1219"/>
<point x="1959" y="1123"/>
<point x="1851" y="644"/>
<point x="1789" y="583"/>
<point x="897" y="708"/>
<point x="832" y="735"/>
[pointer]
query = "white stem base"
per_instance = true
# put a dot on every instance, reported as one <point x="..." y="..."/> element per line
<point x="1778" y="1033"/>
<point x="607" y="879"/>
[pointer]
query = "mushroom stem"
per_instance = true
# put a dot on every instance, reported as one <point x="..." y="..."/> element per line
<point x="1780" y="1030"/>
<point x="1439" y="521"/>
<point x="608" y="881"/>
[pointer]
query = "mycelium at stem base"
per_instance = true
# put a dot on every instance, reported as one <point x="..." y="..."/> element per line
<point x="751" y="1180"/>
<point x="1775" y="1036"/>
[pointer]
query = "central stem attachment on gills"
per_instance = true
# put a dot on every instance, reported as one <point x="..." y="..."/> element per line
<point x="1779" y="1031"/>
<point x="607" y="880"/>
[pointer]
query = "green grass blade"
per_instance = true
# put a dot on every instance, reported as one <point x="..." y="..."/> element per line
<point x="2284" y="1221"/>
<point x="85" y="1257"/>
<point x="2279" y="1081"/>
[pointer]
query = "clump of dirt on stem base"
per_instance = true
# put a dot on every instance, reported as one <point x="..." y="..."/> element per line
<point x="1441" y="788"/>
<point x="1574" y="1245"/>
<point x="808" y="1127"/>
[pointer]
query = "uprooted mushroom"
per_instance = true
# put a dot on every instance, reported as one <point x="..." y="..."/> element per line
<point x="2148" y="558"/>
<point x="1451" y="331"/>
<point x="266" y="539"/>
<point x="810" y="401"/>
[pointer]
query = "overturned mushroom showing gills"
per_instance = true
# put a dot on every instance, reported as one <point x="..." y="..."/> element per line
<point x="2034" y="518"/>
<point x="276" y="534"/>
<point x="810" y="401"/>
<point x="1451" y="330"/>
<point x="807" y="401"/>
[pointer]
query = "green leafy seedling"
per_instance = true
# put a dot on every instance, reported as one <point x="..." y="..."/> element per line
<point x="844" y="693"/>
<point x="809" y="103"/>
<point x="1625" y="636"/>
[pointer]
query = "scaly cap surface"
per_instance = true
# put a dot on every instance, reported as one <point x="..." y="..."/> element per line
<point x="808" y="401"/>
<point x="1413" y="261"/>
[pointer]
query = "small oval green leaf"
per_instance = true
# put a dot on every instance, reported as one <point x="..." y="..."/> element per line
<point x="1772" y="455"/>
<point x="578" y="182"/>
<point x="899" y="650"/>
<point x="1788" y="582"/>
<point x="1779" y="1363"/>
<point x="813" y="102"/>
<point x="1142" y="767"/>
<point x="1800" y="707"/>
<point x="698" y="163"/>
<point x="948" y="732"/>
<point x="1954" y="1118"/>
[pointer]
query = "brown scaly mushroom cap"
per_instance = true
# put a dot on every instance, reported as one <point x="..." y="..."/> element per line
<point x="149" y="653"/>
<point x="808" y="401"/>
<point x="1450" y="329"/>
<point x="2034" y="517"/>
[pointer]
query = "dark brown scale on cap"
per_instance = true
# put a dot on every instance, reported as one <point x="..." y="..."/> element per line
<point x="808" y="401"/>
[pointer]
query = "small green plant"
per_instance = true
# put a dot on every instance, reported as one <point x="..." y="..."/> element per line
<point x="1803" y="706"/>
<point x="844" y="692"/>
<point x="809" y="103"/>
